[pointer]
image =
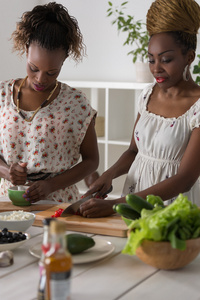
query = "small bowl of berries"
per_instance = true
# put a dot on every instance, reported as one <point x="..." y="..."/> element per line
<point x="11" y="239"/>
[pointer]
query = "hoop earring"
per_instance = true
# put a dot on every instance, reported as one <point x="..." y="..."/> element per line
<point x="186" y="75"/>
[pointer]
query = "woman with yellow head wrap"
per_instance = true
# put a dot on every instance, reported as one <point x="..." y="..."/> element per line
<point x="164" y="154"/>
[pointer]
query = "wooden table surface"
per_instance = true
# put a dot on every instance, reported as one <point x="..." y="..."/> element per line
<point x="118" y="276"/>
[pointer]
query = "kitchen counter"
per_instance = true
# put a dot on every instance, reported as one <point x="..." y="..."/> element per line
<point x="117" y="276"/>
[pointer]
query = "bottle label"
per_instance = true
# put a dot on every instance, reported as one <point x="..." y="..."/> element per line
<point x="60" y="285"/>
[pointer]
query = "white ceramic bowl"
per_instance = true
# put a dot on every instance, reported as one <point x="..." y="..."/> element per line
<point x="18" y="225"/>
<point x="12" y="246"/>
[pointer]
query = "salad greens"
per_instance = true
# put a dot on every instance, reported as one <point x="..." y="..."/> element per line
<point x="175" y="223"/>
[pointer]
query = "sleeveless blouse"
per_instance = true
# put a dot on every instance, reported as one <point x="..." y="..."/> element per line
<point x="161" y="144"/>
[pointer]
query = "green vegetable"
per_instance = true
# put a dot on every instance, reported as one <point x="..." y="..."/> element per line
<point x="138" y="203"/>
<point x="126" y="211"/>
<point x="176" y="223"/>
<point x="154" y="200"/>
<point x="77" y="243"/>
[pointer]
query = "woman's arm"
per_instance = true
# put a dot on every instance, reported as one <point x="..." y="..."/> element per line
<point x="4" y="169"/>
<point x="89" y="163"/>
<point x="121" y="167"/>
<point x="16" y="173"/>
<point x="187" y="175"/>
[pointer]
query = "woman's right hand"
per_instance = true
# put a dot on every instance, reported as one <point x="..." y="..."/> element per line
<point x="18" y="173"/>
<point x="100" y="186"/>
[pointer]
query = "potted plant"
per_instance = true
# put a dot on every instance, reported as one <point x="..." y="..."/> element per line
<point x="136" y="35"/>
<point x="196" y="70"/>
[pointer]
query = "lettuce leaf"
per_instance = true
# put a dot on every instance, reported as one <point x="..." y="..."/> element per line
<point x="175" y="223"/>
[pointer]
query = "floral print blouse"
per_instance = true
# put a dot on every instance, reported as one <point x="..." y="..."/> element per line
<point x="50" y="143"/>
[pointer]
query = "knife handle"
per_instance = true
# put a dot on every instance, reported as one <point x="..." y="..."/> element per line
<point x="107" y="192"/>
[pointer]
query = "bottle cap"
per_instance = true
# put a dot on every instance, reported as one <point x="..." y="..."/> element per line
<point x="47" y="221"/>
<point x="57" y="227"/>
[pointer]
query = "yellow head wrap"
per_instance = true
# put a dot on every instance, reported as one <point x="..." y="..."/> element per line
<point x="173" y="15"/>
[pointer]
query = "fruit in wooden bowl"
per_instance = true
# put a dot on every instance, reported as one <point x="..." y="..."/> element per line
<point x="16" y="196"/>
<point x="161" y="255"/>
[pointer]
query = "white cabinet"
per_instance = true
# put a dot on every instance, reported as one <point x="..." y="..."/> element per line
<point x="116" y="104"/>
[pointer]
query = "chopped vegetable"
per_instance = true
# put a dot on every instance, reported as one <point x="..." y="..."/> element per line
<point x="57" y="213"/>
<point x="176" y="223"/>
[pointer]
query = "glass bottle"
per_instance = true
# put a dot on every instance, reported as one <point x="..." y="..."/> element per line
<point x="58" y="264"/>
<point x="45" y="247"/>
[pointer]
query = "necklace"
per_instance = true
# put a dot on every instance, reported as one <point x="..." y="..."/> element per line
<point x="41" y="106"/>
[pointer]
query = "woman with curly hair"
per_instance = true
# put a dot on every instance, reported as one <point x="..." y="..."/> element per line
<point x="47" y="135"/>
<point x="164" y="154"/>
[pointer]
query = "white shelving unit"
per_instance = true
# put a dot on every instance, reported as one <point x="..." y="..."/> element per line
<point x="116" y="102"/>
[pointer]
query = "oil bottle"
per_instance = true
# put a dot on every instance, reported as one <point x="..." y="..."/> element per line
<point x="46" y="243"/>
<point x="58" y="264"/>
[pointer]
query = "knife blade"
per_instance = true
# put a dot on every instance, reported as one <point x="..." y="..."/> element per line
<point x="73" y="208"/>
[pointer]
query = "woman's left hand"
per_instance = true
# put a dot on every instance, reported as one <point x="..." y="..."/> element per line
<point x="96" y="208"/>
<point x="37" y="191"/>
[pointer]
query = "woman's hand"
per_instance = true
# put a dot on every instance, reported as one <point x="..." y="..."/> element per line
<point x="37" y="191"/>
<point x="96" y="208"/>
<point x="100" y="186"/>
<point x="18" y="173"/>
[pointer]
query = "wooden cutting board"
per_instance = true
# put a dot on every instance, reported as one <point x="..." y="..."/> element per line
<point x="8" y="206"/>
<point x="113" y="225"/>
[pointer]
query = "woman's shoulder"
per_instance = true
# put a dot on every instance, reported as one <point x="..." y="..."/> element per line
<point x="72" y="93"/>
<point x="144" y="96"/>
<point x="6" y="83"/>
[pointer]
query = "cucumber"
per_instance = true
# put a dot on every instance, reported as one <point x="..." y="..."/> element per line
<point x="126" y="211"/>
<point x="138" y="203"/>
<point x="77" y="243"/>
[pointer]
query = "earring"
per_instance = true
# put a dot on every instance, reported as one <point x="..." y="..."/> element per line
<point x="186" y="75"/>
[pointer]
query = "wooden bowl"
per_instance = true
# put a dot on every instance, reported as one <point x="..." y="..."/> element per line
<point x="162" y="256"/>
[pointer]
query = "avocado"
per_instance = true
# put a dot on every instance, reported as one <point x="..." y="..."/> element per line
<point x="77" y="243"/>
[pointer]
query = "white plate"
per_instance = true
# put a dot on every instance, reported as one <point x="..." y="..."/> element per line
<point x="12" y="246"/>
<point x="101" y="249"/>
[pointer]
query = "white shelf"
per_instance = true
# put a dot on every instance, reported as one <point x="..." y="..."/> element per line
<point x="117" y="103"/>
<point x="105" y="84"/>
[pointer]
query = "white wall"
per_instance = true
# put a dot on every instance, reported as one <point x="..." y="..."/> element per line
<point x="106" y="59"/>
<point x="11" y="65"/>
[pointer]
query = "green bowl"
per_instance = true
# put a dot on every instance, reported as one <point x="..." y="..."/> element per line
<point x="16" y="196"/>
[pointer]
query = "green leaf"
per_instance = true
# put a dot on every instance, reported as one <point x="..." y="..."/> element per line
<point x="109" y="14"/>
<point x="175" y="242"/>
<point x="196" y="70"/>
<point x="110" y="3"/>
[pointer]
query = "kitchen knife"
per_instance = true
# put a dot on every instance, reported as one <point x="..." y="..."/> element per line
<point x="73" y="208"/>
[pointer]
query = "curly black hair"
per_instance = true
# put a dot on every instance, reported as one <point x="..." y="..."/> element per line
<point x="52" y="27"/>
